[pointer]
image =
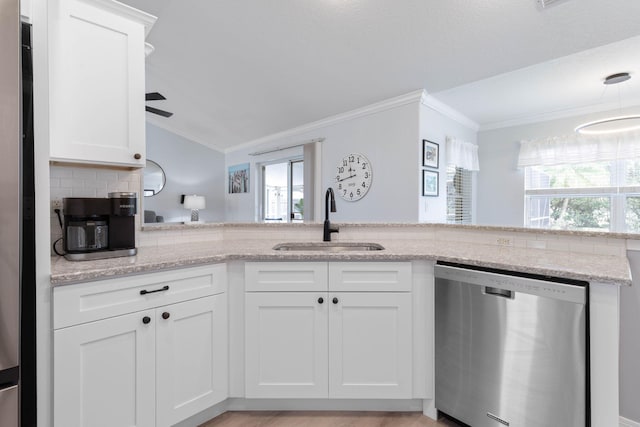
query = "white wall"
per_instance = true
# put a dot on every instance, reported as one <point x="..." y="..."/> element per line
<point x="435" y="127"/>
<point x="500" y="199"/>
<point x="388" y="137"/>
<point x="500" y="195"/>
<point x="191" y="168"/>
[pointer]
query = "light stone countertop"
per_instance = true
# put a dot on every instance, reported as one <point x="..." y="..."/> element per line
<point x="589" y="267"/>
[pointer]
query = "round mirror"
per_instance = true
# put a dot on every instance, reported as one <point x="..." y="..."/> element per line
<point x="154" y="179"/>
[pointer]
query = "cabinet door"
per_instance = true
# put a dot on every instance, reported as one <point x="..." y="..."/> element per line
<point x="286" y="345"/>
<point x="370" y="345"/>
<point x="97" y="85"/>
<point x="191" y="357"/>
<point x="104" y="373"/>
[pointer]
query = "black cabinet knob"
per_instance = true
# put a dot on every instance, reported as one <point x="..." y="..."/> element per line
<point x="137" y="156"/>
<point x="320" y="300"/>
<point x="335" y="300"/>
<point x="165" y="315"/>
<point x="146" y="319"/>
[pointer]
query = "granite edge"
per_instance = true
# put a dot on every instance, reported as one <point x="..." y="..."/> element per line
<point x="314" y="225"/>
<point x="148" y="267"/>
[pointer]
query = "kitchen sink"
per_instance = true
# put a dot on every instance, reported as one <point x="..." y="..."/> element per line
<point x="328" y="246"/>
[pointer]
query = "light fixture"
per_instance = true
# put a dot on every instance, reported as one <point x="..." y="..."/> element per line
<point x="611" y="125"/>
<point x="195" y="203"/>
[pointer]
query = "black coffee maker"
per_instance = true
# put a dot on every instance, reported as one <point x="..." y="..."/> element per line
<point x="97" y="228"/>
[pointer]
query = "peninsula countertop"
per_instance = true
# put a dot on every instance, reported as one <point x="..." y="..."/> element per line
<point x="589" y="267"/>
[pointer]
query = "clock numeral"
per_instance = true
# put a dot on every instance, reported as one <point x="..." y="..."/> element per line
<point x="341" y="169"/>
<point x="351" y="194"/>
<point x="358" y="192"/>
<point x="340" y="186"/>
<point x="366" y="175"/>
<point x="364" y="165"/>
<point x="344" y="192"/>
<point x="337" y="177"/>
<point x="364" y="185"/>
<point x="344" y="163"/>
<point x="351" y="159"/>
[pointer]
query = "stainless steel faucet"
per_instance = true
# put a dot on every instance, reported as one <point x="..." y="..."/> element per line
<point x="327" y="225"/>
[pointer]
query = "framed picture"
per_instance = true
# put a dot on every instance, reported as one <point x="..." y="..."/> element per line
<point x="430" y="154"/>
<point x="239" y="178"/>
<point x="430" y="183"/>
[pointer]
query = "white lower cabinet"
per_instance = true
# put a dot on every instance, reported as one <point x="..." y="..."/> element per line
<point x="104" y="373"/>
<point x="326" y="343"/>
<point x="286" y="345"/>
<point x="191" y="358"/>
<point x="150" y="368"/>
<point x="370" y="345"/>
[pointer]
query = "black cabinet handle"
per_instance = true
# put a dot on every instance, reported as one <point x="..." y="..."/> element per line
<point x="165" y="315"/>
<point x="146" y="320"/>
<point x="137" y="156"/>
<point x="320" y="300"/>
<point x="335" y="300"/>
<point x="164" y="288"/>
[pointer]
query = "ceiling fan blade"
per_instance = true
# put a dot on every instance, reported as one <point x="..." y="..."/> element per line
<point x="158" y="112"/>
<point x="154" y="96"/>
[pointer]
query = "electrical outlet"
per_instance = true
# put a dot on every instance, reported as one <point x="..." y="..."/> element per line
<point x="502" y="241"/>
<point x="56" y="204"/>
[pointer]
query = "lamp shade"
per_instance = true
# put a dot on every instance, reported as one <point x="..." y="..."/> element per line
<point x="194" y="202"/>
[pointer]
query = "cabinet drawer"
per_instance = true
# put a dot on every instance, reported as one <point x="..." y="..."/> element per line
<point x="286" y="276"/>
<point x="86" y="302"/>
<point x="370" y="276"/>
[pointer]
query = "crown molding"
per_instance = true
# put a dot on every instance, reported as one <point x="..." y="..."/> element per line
<point x="398" y="101"/>
<point x="126" y="11"/>
<point x="435" y="104"/>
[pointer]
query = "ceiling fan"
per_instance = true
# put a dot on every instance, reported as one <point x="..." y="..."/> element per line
<point x="156" y="96"/>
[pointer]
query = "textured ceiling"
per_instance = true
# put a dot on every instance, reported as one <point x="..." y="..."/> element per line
<point x="237" y="70"/>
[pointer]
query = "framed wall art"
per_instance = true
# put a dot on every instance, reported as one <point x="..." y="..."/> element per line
<point x="239" y="178"/>
<point x="430" y="183"/>
<point x="430" y="154"/>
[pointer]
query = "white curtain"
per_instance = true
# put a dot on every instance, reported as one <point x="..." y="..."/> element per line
<point x="578" y="149"/>
<point x="462" y="154"/>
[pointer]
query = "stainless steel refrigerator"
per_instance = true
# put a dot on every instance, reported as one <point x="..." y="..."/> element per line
<point x="17" y="247"/>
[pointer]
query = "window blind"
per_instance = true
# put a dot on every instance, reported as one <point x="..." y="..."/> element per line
<point x="459" y="193"/>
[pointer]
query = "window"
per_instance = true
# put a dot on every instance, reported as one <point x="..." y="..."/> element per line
<point x="596" y="196"/>
<point x="283" y="191"/>
<point x="458" y="195"/>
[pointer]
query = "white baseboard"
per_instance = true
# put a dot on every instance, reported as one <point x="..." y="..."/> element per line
<point x="625" y="422"/>
<point x="240" y="404"/>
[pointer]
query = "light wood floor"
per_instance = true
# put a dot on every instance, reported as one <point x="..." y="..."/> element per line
<point x="325" y="419"/>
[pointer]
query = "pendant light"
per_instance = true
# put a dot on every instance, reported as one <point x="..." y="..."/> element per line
<point x="611" y="125"/>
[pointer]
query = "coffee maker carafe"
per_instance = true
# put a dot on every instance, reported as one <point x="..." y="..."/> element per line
<point x="97" y="228"/>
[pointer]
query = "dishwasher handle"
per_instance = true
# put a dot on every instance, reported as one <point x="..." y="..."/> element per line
<point x="504" y="293"/>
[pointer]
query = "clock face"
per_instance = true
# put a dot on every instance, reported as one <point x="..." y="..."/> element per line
<point x="353" y="177"/>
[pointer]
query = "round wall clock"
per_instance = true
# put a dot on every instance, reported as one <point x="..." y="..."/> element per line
<point x="353" y="177"/>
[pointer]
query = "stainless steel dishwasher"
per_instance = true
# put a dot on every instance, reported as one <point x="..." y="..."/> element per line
<point x="511" y="349"/>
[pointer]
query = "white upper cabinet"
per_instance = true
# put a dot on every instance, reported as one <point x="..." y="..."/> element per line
<point x="97" y="82"/>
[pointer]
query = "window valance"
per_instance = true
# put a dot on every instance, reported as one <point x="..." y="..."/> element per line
<point x="578" y="149"/>
<point x="462" y="154"/>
